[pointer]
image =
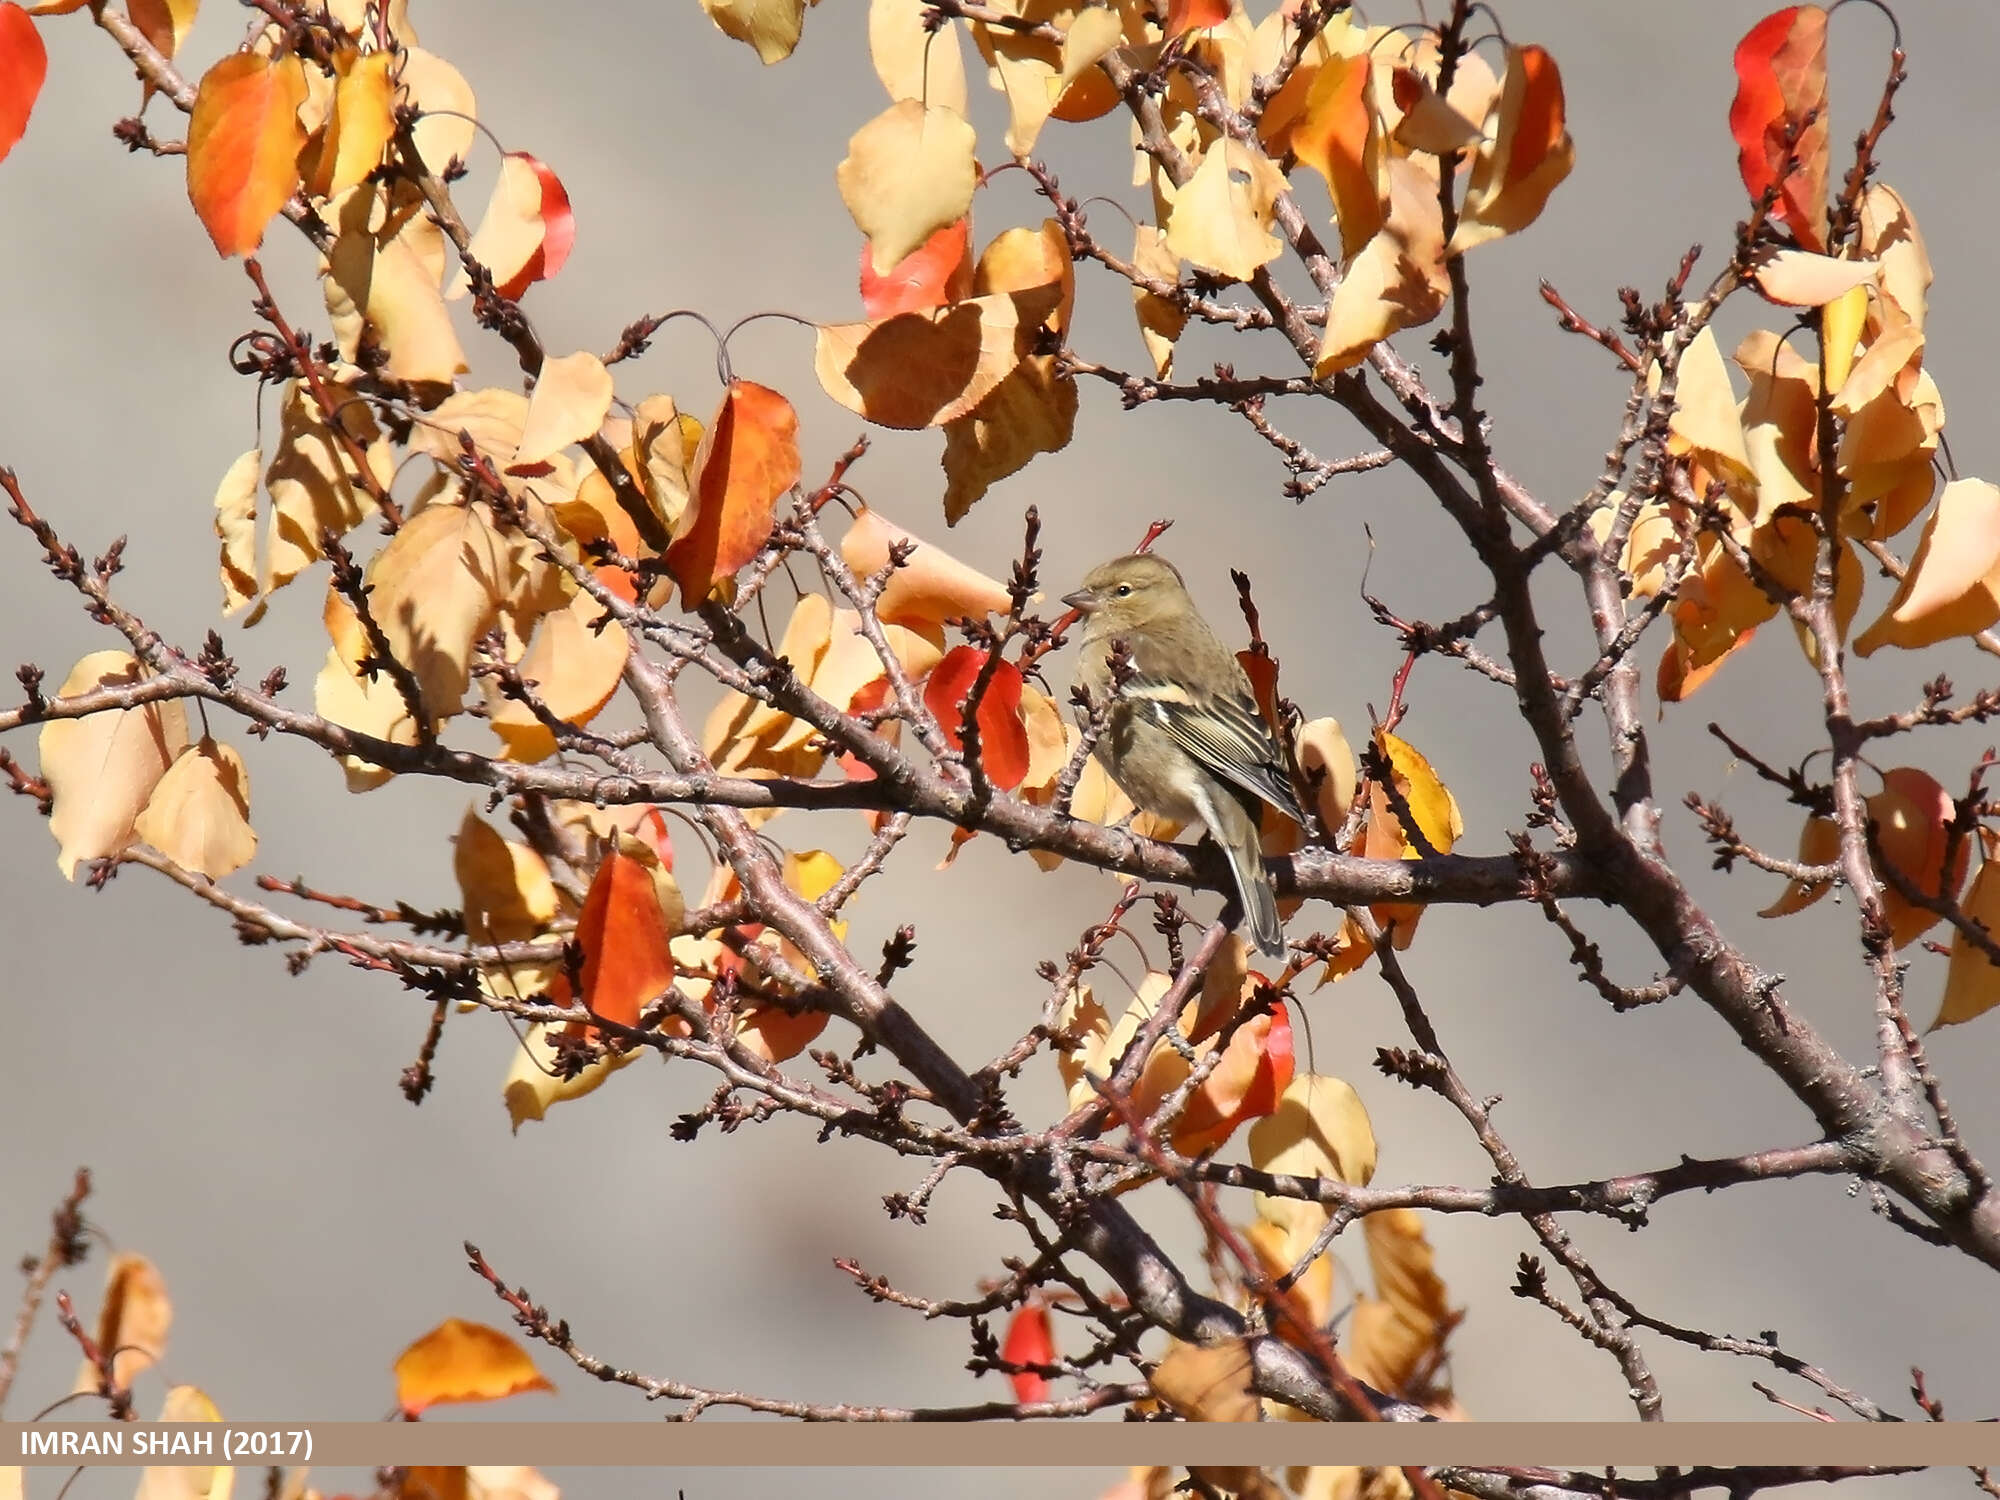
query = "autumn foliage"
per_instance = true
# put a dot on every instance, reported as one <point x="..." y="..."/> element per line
<point x="644" y="626"/>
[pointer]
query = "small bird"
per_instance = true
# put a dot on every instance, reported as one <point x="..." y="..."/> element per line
<point x="1184" y="738"/>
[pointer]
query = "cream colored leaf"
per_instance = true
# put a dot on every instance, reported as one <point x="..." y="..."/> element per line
<point x="236" y="528"/>
<point x="908" y="173"/>
<point x="1889" y="235"/>
<point x="1952" y="587"/>
<point x="1025" y="68"/>
<point x="511" y="231"/>
<point x="199" y="814"/>
<point x="1705" y="419"/>
<point x="508" y="1482"/>
<point x="493" y="418"/>
<point x="1222" y="216"/>
<point x="531" y="1085"/>
<point x="930" y="588"/>
<point x="384" y="287"/>
<point x="574" y="670"/>
<point x="912" y="60"/>
<point x="102" y="769"/>
<point x="572" y="396"/>
<point x="313" y="482"/>
<point x="435" y="87"/>
<point x="437" y="588"/>
<point x="342" y="696"/>
<point x="664" y="443"/>
<point x="1799" y="278"/>
<point x="771" y="27"/>
<point x="1322" y="745"/>
<point x="186" y="1403"/>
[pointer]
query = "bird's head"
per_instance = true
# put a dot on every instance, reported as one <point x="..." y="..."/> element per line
<point x="1129" y="593"/>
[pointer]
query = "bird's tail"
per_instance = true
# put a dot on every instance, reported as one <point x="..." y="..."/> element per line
<point x="1238" y="837"/>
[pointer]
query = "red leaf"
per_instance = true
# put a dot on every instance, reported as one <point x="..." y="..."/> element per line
<point x="24" y="63"/>
<point x="623" y="935"/>
<point x="749" y="456"/>
<point x="558" y="226"/>
<point x="1194" y="15"/>
<point x="1781" y="79"/>
<point x="243" y="146"/>
<point x="1029" y="1341"/>
<point x="936" y="272"/>
<point x="1003" y="737"/>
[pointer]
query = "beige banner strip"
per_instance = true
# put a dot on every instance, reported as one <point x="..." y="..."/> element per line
<point x="1574" y="1445"/>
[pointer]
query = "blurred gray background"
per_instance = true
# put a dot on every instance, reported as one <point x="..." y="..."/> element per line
<point x="245" y="1127"/>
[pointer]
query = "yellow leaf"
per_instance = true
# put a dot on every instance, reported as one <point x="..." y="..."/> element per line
<point x="1224" y="223"/>
<point x="102" y="769"/>
<point x="505" y="886"/>
<point x="313" y="482"/>
<point x="1778" y="423"/>
<point x="493" y="418"/>
<point x="461" y="1361"/>
<point x="1027" y="69"/>
<point x="1705" y="420"/>
<point x="913" y="60"/>
<point x="186" y="1403"/>
<point x="236" y="528"/>
<point x="1207" y="1383"/>
<point x="1397" y="281"/>
<point x="383" y="286"/>
<point x="362" y="122"/>
<point x="1161" y="320"/>
<point x="772" y="27"/>
<point x="572" y="396"/>
<point x="1032" y="411"/>
<point x="1840" y="325"/>
<point x="342" y="696"/>
<point x="1952" y="587"/>
<point x="199" y="814"/>
<point x="1319" y="1129"/>
<point x="908" y="173"/>
<point x="1972" y="983"/>
<point x="923" y="369"/>
<point x="1396" y="1340"/>
<point x="531" y="1085"/>
<point x="436" y="589"/>
<point x="575" y="667"/>
<point x="664" y="443"/>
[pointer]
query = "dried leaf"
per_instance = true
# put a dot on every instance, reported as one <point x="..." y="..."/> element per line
<point x="102" y="769"/>
<point x="772" y="27"/>
<point x="749" y="456"/>
<point x="1207" y="1383"/>
<point x="132" y="1324"/>
<point x="199" y="814"/>
<point x="236" y="528"/>
<point x="1161" y="320"/>
<point x="908" y="173"/>
<point x="571" y="399"/>
<point x="1396" y="1340"/>
<point x="243" y="146"/>
<point x="382" y="285"/>
<point x="461" y="1361"/>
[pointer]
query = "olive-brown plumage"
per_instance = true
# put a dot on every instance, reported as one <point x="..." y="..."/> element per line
<point x="1184" y="738"/>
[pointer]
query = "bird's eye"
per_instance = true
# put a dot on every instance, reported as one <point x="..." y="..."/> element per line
<point x="1124" y="590"/>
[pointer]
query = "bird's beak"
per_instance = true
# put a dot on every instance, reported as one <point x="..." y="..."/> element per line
<point x="1081" y="601"/>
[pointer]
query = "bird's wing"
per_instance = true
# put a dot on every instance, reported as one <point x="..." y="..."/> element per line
<point x="1225" y="734"/>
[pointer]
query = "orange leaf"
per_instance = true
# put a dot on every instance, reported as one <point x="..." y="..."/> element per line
<point x="1972" y="983"/>
<point x="1337" y="138"/>
<point x="24" y="63"/>
<point x="461" y="1361"/>
<point x="1029" y="1341"/>
<point x="132" y="1325"/>
<point x="362" y="121"/>
<point x="164" y="23"/>
<point x="749" y="456"/>
<point x="936" y="272"/>
<point x="929" y="589"/>
<point x="1780" y="80"/>
<point x="1525" y="153"/>
<point x="1912" y="818"/>
<point x="243" y="147"/>
<point x="623" y="934"/>
<point x="1254" y="1072"/>
<point x="1194" y="15"/>
<point x="1003" y="738"/>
